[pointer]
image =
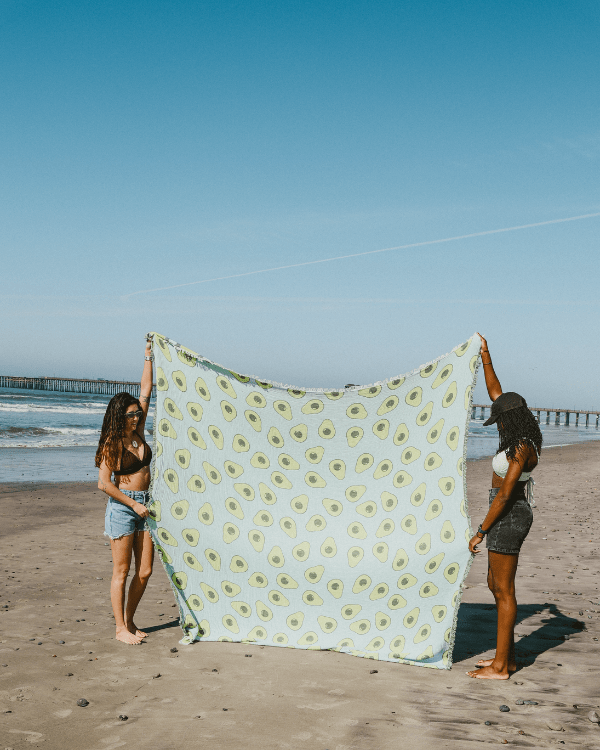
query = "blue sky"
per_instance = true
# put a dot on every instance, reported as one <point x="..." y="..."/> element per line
<point x="151" y="144"/>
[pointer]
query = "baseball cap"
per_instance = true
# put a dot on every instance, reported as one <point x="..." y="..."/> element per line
<point x="505" y="402"/>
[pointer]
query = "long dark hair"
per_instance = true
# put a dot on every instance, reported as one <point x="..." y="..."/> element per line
<point x="113" y="427"/>
<point x="518" y="428"/>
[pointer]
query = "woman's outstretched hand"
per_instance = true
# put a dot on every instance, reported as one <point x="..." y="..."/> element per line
<point x="484" y="345"/>
<point x="473" y="544"/>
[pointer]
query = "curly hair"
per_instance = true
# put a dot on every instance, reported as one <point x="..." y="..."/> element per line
<point x="113" y="427"/>
<point x="518" y="428"/>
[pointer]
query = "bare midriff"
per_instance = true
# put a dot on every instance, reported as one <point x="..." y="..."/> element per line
<point x="138" y="482"/>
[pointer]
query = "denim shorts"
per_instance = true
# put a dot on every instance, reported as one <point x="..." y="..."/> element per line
<point x="509" y="532"/>
<point x="120" y="520"/>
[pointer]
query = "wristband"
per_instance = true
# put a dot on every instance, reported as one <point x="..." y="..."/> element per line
<point x="150" y="358"/>
<point x="481" y="531"/>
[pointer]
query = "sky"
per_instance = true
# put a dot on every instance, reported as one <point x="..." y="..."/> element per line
<point x="147" y="144"/>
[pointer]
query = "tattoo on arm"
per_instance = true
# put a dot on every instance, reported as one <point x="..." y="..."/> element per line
<point x="103" y="487"/>
<point x="145" y="399"/>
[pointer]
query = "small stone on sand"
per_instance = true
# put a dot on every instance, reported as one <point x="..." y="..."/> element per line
<point x="122" y="717"/>
<point x="173" y="650"/>
<point x="520" y="702"/>
<point x="488" y="723"/>
<point x="373" y="671"/>
<point x="82" y="702"/>
<point x="554" y="726"/>
<point x="594" y="717"/>
<point x="504" y="708"/>
<point x="156" y="676"/>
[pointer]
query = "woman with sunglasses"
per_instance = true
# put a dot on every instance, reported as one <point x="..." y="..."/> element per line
<point x="124" y="454"/>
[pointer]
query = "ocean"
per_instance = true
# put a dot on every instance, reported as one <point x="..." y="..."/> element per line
<point x="52" y="437"/>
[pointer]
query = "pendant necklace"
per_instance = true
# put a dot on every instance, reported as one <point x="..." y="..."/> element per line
<point x="133" y="442"/>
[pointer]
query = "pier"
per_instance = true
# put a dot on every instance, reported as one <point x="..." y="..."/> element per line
<point x="73" y="385"/>
<point x="538" y="411"/>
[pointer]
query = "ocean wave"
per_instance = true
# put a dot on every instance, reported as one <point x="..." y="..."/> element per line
<point x="38" y="431"/>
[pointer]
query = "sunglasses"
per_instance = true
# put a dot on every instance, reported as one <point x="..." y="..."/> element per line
<point x="132" y="414"/>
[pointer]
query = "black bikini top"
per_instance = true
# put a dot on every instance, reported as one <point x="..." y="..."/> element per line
<point x="130" y="463"/>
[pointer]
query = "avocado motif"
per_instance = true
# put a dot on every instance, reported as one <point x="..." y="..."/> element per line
<point x="294" y="622"/>
<point x="439" y="612"/>
<point x="326" y="429"/>
<point x="216" y="436"/>
<point x="313" y="479"/>
<point x="314" y="455"/>
<point x="159" y="449"/>
<point x="234" y="508"/>
<point x="279" y="480"/>
<point x="202" y="389"/>
<point x="301" y="551"/>
<point x="381" y="429"/>
<point x="242" y="608"/>
<point x="396" y="601"/>
<point x="435" y="432"/>
<point x="230" y="589"/>
<point x="364" y="462"/>
<point x="166" y="538"/>
<point x="335" y="588"/>
<point x="428" y="371"/>
<point x="460" y="350"/>
<point x="356" y="411"/>
<point x="240" y="378"/>
<point x="386" y="527"/>
<point x="414" y="396"/>
<point x="411" y="618"/>
<point x="355" y="492"/>
<point x="212" y="473"/>
<point x="355" y="555"/>
<point x="402" y="479"/>
<point x="450" y="395"/>
<point x="256" y="400"/>
<point x="179" y="509"/>
<point x="428" y="589"/>
<point x="260" y="461"/>
<point x="397" y="643"/>
<point x="328" y="548"/>
<point x="308" y="638"/>
<point x="244" y="490"/>
<point x="196" y="484"/>
<point x="162" y="384"/>
<point x="410" y="454"/>
<point x="361" y="584"/>
<point x="361" y="626"/>
<point x="240" y="444"/>
<point x="401" y="434"/>
<point x="423" y="545"/>
<point x="354" y="435"/>
<point x="195" y="603"/>
<point x="395" y="383"/>
<point x="459" y="466"/>
<point x="266" y="494"/>
<point x="381" y="551"/>
<point x="316" y="523"/>
<point x="164" y="556"/>
<point x="226" y="386"/>
<point x="447" y="533"/>
<point x="451" y="574"/>
<point x="228" y="410"/>
<point x="388" y="501"/>
<point x="409" y="524"/>
<point x="327" y="624"/>
<point x="338" y="468"/>
<point x="276" y="558"/>
<point x="205" y="514"/>
<point x="286" y="581"/>
<point x="454" y="598"/>
<point x="164" y="346"/>
<point x="379" y="591"/>
<point x="257" y="633"/>
<point x="258" y="580"/>
<point x="289" y="526"/>
<point x="210" y="594"/>
<point x="387" y="405"/>
<point x="334" y="395"/>
<point x="230" y="532"/>
<point x="357" y="531"/>
<point x="166" y="429"/>
<point x="433" y="461"/>
<point x="346" y="643"/>
<point x="172" y="408"/>
<point x="264" y="385"/>
<point x="213" y="558"/>
<point x="275" y="437"/>
<point x="253" y="420"/>
<point x="287" y="462"/>
<point x="370" y="392"/>
<point x="406" y="581"/>
<point x="423" y="635"/>
<point x="171" y="480"/>
<point x="378" y="642"/>
<point x="314" y="406"/>
<point x="180" y="580"/>
<point x="468" y="392"/>
<point x="178" y="378"/>
<point x="187" y="357"/>
<point x="425" y="414"/>
<point x="278" y="599"/>
<point x="283" y="409"/>
<point x="154" y="510"/>
<point x="446" y="485"/>
<point x="312" y="598"/>
<point x="314" y="574"/>
<point x="418" y="496"/>
<point x="434" y="510"/>
<point x="257" y="539"/>
<point x="473" y="363"/>
<point x="263" y="518"/>
<point x="367" y="509"/>
<point x="299" y="433"/>
<point x="349" y="611"/>
<point x="300" y="503"/>
<point x="463" y="508"/>
<point x="296" y="393"/>
<point x="183" y="456"/>
<point x="196" y="438"/>
<point x="442" y="376"/>
<point x="383" y="469"/>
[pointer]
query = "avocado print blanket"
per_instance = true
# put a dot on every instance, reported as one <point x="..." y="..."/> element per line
<point x="313" y="518"/>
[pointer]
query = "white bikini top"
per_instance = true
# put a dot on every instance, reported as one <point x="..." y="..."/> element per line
<point x="500" y="466"/>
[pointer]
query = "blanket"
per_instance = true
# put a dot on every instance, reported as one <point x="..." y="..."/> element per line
<point x="314" y="518"/>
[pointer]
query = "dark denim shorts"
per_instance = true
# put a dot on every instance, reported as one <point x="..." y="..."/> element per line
<point x="509" y="532"/>
<point x="120" y="520"/>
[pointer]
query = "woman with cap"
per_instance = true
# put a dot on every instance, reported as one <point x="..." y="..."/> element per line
<point x="509" y="517"/>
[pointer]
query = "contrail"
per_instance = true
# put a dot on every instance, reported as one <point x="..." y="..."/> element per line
<point x="368" y="252"/>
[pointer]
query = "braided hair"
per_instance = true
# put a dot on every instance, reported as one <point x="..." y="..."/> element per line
<point x="113" y="427"/>
<point x="518" y="428"/>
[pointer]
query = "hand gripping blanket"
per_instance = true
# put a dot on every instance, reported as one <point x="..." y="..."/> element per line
<point x="313" y="518"/>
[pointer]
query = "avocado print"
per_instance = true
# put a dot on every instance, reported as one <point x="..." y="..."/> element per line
<point x="264" y="384"/>
<point x="402" y="479"/>
<point x="381" y="429"/>
<point x="240" y="444"/>
<point x="406" y="581"/>
<point x="240" y="378"/>
<point x="425" y="414"/>
<point x="370" y="392"/>
<point x="195" y="603"/>
<point x="410" y="454"/>
<point x="355" y="492"/>
<point x="356" y="411"/>
<point x="162" y="383"/>
<point x="316" y="523"/>
<point x="367" y="509"/>
<point x="216" y="436"/>
<point x="178" y="377"/>
<point x="439" y="613"/>
<point x="172" y="409"/>
<point x="257" y="539"/>
<point x="428" y="371"/>
<point x="210" y="594"/>
<point x="468" y="394"/>
<point x="447" y="533"/>
<point x="383" y="469"/>
<point x="401" y="434"/>
<point x="166" y="429"/>
<point x="446" y="485"/>
<point x="354" y="435"/>
<point x="154" y="509"/>
<point x="314" y="455"/>
<point x="308" y="638"/>
<point x="266" y="494"/>
<point x="253" y="420"/>
<point x="435" y="432"/>
<point x="164" y="346"/>
<point x="228" y="409"/>
<point x="278" y="599"/>
<point x="409" y="524"/>
<point x="213" y="558"/>
<point x="196" y="438"/>
<point x="260" y="461"/>
<point x="202" y="389"/>
<point x="418" y="496"/>
<point x="263" y="518"/>
<point x="355" y="555"/>
<point x="276" y="558"/>
<point x="388" y="501"/>
<point x="283" y="409"/>
<point x="166" y="537"/>
<point x="333" y="507"/>
<point x="452" y="438"/>
<point x="213" y="475"/>
<point x="300" y="504"/>
<point x="296" y="394"/>
<point x="233" y="507"/>
<point x="256" y="400"/>
<point x="314" y="406"/>
<point x="301" y="551"/>
<point x="381" y="551"/>
<point x="328" y="548"/>
<point x="338" y="468"/>
<point x="350" y="611"/>
<point x="361" y="626"/>
<point x="171" y="480"/>
<point x="414" y="396"/>
<point x="423" y="634"/>
<point x="364" y="462"/>
<point x="361" y="584"/>
<point x="299" y="433"/>
<point x="238" y="564"/>
<point x="159" y="449"/>
<point x="357" y="531"/>
<point x="244" y="490"/>
<point x="275" y="438"/>
<point x="187" y="357"/>
<point x="313" y="479"/>
<point x="183" y="456"/>
<point x="451" y="574"/>
<point x="326" y="430"/>
<point x="295" y="621"/>
<point x="179" y="509"/>
<point x="428" y="589"/>
<point x="334" y="395"/>
<point x="432" y="461"/>
<point x="164" y="556"/>
<point x="395" y="383"/>
<point x="327" y="624"/>
<point x="379" y="591"/>
<point x="281" y="481"/>
<point x="434" y="510"/>
<point x="226" y="386"/>
<point x="410" y="620"/>
<point x="459" y="466"/>
<point x="230" y="623"/>
<point x="450" y="395"/>
<point x="442" y="376"/>
<point x="196" y="484"/>
<point x="230" y="532"/>
<point x="287" y="462"/>
<point x="378" y="642"/>
<point x="205" y="514"/>
<point x="396" y="601"/>
<point x="336" y="588"/>
<point x="180" y="580"/>
<point x="460" y="350"/>
<point x="286" y="581"/>
<point x="289" y="526"/>
<point x="312" y="599"/>
<point x="258" y="580"/>
<point x="388" y="405"/>
<point x="386" y="527"/>
<point x="423" y="546"/>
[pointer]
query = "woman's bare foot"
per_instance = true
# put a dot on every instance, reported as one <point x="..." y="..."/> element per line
<point x="488" y="663"/>
<point x="133" y="628"/>
<point x="126" y="636"/>
<point x="488" y="673"/>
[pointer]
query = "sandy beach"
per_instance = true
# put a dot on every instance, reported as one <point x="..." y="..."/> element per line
<point x="57" y="645"/>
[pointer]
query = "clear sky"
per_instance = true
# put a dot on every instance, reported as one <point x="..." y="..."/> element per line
<point x="148" y="144"/>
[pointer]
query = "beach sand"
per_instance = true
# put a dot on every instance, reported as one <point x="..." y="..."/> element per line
<point x="57" y="575"/>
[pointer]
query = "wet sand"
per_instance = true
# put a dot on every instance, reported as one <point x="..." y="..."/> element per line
<point x="56" y="579"/>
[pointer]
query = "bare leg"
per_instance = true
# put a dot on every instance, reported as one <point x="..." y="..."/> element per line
<point x="501" y="575"/>
<point x="143" y="552"/>
<point x="512" y="664"/>
<point x="121" y="552"/>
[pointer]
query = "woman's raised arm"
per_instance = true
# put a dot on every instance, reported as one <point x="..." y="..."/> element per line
<point x="494" y="388"/>
<point x="146" y="384"/>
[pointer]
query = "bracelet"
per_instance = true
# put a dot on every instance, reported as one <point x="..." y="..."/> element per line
<point x="150" y="358"/>
<point x="481" y="532"/>
<point x="485" y="364"/>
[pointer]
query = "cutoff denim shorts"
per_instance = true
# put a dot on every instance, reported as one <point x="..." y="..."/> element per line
<point x="120" y="520"/>
<point x="509" y="532"/>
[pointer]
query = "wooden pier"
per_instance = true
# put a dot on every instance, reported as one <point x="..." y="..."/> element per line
<point x="538" y="410"/>
<point x="73" y="385"/>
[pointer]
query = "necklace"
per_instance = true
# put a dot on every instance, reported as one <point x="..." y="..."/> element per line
<point x="134" y="443"/>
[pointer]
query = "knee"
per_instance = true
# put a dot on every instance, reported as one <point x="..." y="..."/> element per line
<point x="503" y="591"/>
<point x="144" y="574"/>
<point x="120" y="574"/>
